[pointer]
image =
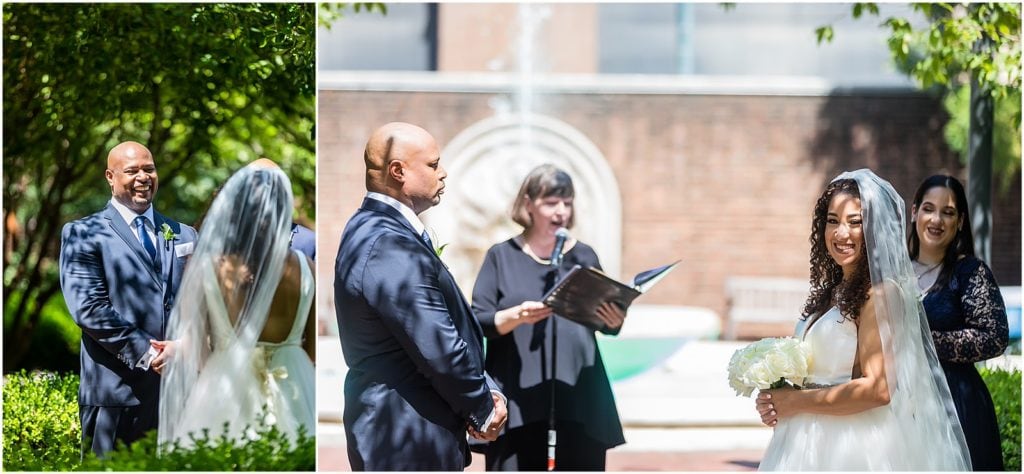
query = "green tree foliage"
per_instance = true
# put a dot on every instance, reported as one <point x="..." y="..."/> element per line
<point x="943" y="54"/>
<point x="1006" y="152"/>
<point x="332" y="11"/>
<point x="207" y="87"/>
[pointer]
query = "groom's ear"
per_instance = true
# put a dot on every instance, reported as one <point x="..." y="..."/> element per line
<point x="110" y="177"/>
<point x="396" y="171"/>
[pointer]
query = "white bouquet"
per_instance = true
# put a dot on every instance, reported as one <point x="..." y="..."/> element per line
<point x="769" y="363"/>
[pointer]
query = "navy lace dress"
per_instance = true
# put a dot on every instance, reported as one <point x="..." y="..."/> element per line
<point x="968" y="322"/>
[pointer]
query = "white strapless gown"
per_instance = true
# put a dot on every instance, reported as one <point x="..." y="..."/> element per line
<point x="867" y="441"/>
<point x="275" y="387"/>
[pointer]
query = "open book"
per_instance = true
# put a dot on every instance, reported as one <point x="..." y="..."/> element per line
<point x="578" y="294"/>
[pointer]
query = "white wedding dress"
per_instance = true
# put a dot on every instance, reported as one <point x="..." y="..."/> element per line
<point x="277" y="390"/>
<point x="287" y="371"/>
<point x="867" y="441"/>
<point x="220" y="377"/>
<point x="918" y="429"/>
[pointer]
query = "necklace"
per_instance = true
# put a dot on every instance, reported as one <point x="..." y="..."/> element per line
<point x="529" y="251"/>
<point x="926" y="270"/>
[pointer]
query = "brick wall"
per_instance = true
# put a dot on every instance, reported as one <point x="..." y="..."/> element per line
<point x="725" y="183"/>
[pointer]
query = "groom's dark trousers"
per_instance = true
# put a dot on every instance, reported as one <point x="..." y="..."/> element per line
<point x="413" y="349"/>
<point x="121" y="298"/>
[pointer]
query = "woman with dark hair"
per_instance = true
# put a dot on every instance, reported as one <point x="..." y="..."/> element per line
<point x="964" y="307"/>
<point x="515" y="275"/>
<point x="874" y="399"/>
<point x="241" y="335"/>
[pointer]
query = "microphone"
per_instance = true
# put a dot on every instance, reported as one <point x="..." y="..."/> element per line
<point x="556" y="254"/>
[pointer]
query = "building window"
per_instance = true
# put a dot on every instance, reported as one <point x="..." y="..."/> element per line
<point x="637" y="38"/>
<point x="405" y="39"/>
<point x="746" y="40"/>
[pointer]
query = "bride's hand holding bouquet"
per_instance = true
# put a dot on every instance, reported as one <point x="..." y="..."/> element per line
<point x="771" y="363"/>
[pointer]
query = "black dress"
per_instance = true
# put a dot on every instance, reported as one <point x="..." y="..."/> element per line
<point x="968" y="322"/>
<point x="519" y="362"/>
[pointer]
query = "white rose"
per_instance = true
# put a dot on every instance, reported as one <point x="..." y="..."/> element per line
<point x="764" y="362"/>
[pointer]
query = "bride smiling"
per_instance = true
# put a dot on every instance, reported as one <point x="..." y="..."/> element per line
<point x="875" y="398"/>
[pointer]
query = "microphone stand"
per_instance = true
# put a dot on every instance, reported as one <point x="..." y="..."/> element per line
<point x="556" y="262"/>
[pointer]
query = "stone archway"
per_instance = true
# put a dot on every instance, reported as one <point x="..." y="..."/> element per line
<point x="486" y="164"/>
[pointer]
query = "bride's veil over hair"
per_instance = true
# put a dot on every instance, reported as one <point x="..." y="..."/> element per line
<point x="919" y="395"/>
<point x="222" y="307"/>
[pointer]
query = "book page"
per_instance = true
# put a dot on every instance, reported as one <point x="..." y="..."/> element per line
<point x="645" y="280"/>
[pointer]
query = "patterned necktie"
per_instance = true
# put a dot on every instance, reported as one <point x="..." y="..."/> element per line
<point x="147" y="243"/>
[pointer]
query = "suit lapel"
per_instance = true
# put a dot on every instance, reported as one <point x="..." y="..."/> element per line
<point x="377" y="206"/>
<point x="118" y="225"/>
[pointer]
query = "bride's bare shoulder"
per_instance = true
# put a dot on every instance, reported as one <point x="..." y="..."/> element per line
<point x="286" y="300"/>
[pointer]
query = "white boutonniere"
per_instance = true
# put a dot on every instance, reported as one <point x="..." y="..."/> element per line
<point x="168" y="234"/>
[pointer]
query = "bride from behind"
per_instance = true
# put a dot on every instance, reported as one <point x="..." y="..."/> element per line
<point x="876" y="398"/>
<point x="241" y="336"/>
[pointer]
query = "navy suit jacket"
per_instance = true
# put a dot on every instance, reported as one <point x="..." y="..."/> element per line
<point x="413" y="349"/>
<point x="121" y="299"/>
<point x="304" y="240"/>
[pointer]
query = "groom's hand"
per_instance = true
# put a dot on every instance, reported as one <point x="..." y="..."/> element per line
<point x="166" y="349"/>
<point x="497" y="423"/>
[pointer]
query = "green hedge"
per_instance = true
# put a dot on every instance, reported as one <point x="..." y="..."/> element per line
<point x="41" y="427"/>
<point x="41" y="432"/>
<point x="1006" y="391"/>
<point x="270" y="451"/>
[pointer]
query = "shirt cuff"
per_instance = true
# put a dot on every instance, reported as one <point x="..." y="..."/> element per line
<point x="147" y="358"/>
<point x="490" y="418"/>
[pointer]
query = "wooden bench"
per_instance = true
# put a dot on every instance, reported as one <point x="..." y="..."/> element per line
<point x="764" y="300"/>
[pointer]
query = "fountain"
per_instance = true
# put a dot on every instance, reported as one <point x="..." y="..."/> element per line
<point x="487" y="161"/>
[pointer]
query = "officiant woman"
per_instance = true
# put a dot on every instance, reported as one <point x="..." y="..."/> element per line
<point x="515" y="275"/>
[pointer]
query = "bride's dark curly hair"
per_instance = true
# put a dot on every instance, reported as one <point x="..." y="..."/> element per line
<point x="826" y="280"/>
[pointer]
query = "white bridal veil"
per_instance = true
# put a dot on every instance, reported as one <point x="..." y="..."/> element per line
<point x="222" y="306"/>
<point x="920" y="398"/>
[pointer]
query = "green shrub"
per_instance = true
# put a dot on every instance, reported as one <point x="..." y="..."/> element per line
<point x="54" y="344"/>
<point x="41" y="428"/>
<point x="269" y="451"/>
<point x="1006" y="391"/>
<point x="41" y="432"/>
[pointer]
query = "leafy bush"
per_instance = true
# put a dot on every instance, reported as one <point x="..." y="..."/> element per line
<point x="41" y="427"/>
<point x="269" y="451"/>
<point x="54" y="344"/>
<point x="1006" y="391"/>
<point x="41" y="432"/>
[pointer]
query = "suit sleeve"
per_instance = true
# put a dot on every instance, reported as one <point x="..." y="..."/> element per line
<point x="401" y="282"/>
<point x="84" y="286"/>
<point x="485" y="295"/>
